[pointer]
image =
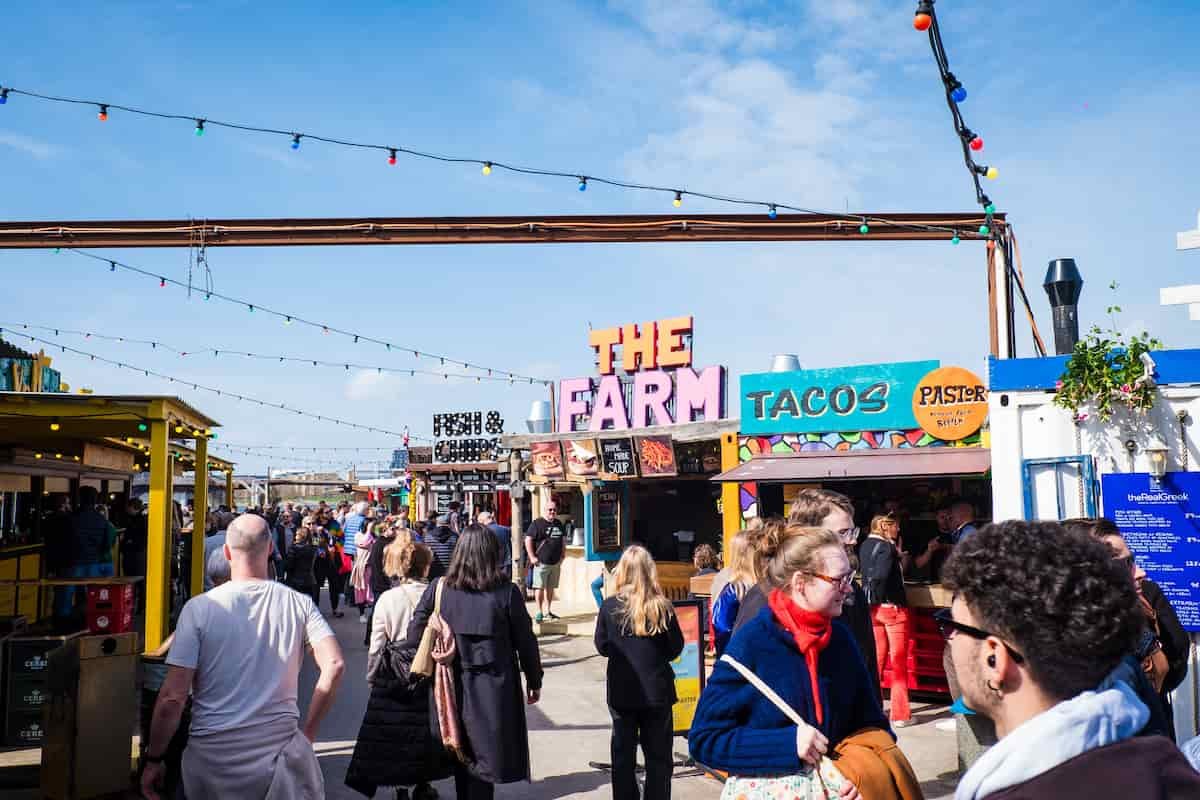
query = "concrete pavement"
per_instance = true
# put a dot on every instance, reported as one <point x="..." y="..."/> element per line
<point x="570" y="727"/>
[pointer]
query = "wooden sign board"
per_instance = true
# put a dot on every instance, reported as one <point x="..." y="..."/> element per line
<point x="95" y="455"/>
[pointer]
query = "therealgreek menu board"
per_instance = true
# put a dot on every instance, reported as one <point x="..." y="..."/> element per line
<point x="689" y="667"/>
<point x="1160" y="520"/>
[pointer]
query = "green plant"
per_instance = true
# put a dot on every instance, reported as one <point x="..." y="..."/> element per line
<point x="1106" y="370"/>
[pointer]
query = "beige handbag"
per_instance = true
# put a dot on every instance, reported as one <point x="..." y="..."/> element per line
<point x="423" y="663"/>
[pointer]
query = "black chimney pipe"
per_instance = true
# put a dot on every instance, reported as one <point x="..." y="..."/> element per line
<point x="1063" y="286"/>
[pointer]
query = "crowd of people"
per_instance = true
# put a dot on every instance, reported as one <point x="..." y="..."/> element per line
<point x="1055" y="639"/>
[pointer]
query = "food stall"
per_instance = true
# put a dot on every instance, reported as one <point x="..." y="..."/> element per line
<point x="903" y="437"/>
<point x="631" y="452"/>
<point x="1138" y="468"/>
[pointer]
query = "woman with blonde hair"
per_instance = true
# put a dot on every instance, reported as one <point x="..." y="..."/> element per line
<point x="796" y="646"/>
<point x="638" y="632"/>
<point x="743" y="575"/>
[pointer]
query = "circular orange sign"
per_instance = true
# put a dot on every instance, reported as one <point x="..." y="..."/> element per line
<point x="950" y="403"/>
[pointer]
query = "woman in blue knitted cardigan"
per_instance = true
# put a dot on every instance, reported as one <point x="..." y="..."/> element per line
<point x="792" y="644"/>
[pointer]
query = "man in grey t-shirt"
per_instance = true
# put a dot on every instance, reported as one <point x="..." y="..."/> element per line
<point x="238" y="651"/>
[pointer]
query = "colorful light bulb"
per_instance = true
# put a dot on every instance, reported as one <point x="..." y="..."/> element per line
<point x="392" y="157"/>
<point x="922" y="22"/>
<point x="103" y="115"/>
<point x="990" y="208"/>
<point x="992" y="173"/>
<point x="958" y="94"/>
<point x="772" y="212"/>
<point x="55" y="426"/>
<point x="142" y="427"/>
<point x="984" y="230"/>
<point x="864" y="228"/>
<point x="162" y="282"/>
<point x="678" y="201"/>
<point x="199" y="127"/>
<point x="295" y="141"/>
<point x="582" y="183"/>
<point x="976" y="144"/>
<point x="487" y="168"/>
<point x="3" y="96"/>
<point x="955" y="239"/>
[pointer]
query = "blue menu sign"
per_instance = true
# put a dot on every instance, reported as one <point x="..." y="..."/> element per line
<point x="1160" y="520"/>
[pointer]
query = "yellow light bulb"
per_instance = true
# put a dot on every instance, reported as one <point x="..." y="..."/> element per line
<point x="992" y="173"/>
<point x="487" y="168"/>
<point x="54" y="426"/>
<point x="37" y="455"/>
<point x="677" y="202"/>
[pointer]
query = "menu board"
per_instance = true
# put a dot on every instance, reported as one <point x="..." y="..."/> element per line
<point x="656" y="456"/>
<point x="547" y="459"/>
<point x="689" y="667"/>
<point x="616" y="457"/>
<point x="1160" y="522"/>
<point x="582" y="459"/>
<point x="607" y="535"/>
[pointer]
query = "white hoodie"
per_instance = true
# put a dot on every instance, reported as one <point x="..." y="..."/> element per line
<point x="1085" y="722"/>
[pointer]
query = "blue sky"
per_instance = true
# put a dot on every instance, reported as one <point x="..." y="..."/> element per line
<point x="1089" y="111"/>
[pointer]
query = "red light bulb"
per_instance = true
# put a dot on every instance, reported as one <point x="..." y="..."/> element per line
<point x="102" y="116"/>
<point x="976" y="144"/>
<point x="922" y="22"/>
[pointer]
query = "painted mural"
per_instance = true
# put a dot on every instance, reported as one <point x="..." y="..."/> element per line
<point x="783" y="444"/>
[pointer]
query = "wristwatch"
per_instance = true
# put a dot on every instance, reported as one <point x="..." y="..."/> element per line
<point x="149" y="759"/>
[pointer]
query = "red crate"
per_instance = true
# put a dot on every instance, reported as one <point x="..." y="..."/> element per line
<point x="110" y="608"/>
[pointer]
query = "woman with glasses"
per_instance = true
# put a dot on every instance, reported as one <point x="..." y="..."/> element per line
<point x="799" y="649"/>
<point x="883" y="581"/>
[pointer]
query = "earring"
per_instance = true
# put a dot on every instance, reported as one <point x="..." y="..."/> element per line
<point x="997" y="690"/>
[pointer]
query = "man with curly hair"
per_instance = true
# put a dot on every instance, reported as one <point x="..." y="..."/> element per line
<point x="1041" y="617"/>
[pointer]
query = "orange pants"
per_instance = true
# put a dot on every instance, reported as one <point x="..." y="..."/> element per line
<point x="892" y="634"/>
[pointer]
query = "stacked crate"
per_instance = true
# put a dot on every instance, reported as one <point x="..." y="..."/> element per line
<point x="26" y="687"/>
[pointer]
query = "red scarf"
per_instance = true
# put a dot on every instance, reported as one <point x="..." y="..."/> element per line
<point x="811" y="632"/>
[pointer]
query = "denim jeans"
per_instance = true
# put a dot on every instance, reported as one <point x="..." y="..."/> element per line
<point x="64" y="596"/>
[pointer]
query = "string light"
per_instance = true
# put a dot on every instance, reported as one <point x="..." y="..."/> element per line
<point x="984" y="230"/>
<point x="199" y="127"/>
<point x="143" y="427"/>
<point x="772" y="211"/>
<point x="3" y="96"/>
<point x="924" y="17"/>
<point x="103" y="115"/>
<point x="55" y="425"/>
<point x="162" y="283"/>
<point x="582" y="183"/>
<point x="392" y="157"/>
<point x="486" y="165"/>
<point x="864" y="229"/>
<point x="955" y="239"/>
<point x="199" y="387"/>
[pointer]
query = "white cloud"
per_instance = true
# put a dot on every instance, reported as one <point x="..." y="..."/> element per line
<point x="371" y="385"/>
<point x="28" y="145"/>
<point x="687" y="23"/>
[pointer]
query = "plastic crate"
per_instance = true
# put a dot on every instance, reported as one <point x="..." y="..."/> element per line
<point x="110" y="608"/>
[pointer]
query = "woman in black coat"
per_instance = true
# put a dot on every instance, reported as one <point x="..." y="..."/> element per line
<point x="495" y="642"/>
<point x="639" y="634"/>
<point x="300" y="565"/>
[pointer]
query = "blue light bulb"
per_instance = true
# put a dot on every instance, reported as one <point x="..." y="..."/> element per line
<point x="959" y="94"/>
<point x="583" y="184"/>
<point x="296" y="142"/>
<point x="772" y="212"/>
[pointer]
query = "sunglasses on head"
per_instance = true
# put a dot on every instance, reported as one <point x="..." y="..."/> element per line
<point x="948" y="626"/>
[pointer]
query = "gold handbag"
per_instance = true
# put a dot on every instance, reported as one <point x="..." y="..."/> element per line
<point x="423" y="663"/>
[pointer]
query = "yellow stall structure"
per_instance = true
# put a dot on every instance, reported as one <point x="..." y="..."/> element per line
<point x="54" y="442"/>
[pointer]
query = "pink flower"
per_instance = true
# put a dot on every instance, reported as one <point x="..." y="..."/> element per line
<point x="1081" y="416"/>
<point x="1058" y="384"/>
<point x="1126" y="388"/>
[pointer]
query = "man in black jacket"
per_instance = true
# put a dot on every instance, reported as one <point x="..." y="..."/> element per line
<point x="821" y="508"/>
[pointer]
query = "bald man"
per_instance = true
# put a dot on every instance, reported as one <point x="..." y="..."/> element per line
<point x="238" y="650"/>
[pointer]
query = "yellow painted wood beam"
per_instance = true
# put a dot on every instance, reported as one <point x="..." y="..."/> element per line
<point x="229" y="489"/>
<point x="158" y="545"/>
<point x="731" y="507"/>
<point x="199" y="513"/>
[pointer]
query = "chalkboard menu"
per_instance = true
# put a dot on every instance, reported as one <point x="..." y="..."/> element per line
<point x="608" y="521"/>
<point x="617" y="457"/>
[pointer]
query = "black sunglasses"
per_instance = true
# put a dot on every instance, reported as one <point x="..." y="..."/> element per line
<point x="948" y="626"/>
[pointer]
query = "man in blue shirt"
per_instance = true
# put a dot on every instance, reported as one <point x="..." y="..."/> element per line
<point x="962" y="517"/>
<point x="504" y="536"/>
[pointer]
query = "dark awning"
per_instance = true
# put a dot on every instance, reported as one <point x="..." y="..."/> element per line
<point x="833" y="465"/>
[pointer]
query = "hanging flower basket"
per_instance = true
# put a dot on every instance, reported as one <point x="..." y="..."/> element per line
<point x="1105" y="372"/>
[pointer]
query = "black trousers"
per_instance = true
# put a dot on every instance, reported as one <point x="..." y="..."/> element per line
<point x="652" y="727"/>
<point x="468" y="787"/>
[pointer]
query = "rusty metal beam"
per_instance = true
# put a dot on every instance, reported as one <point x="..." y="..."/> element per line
<point x="491" y="230"/>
